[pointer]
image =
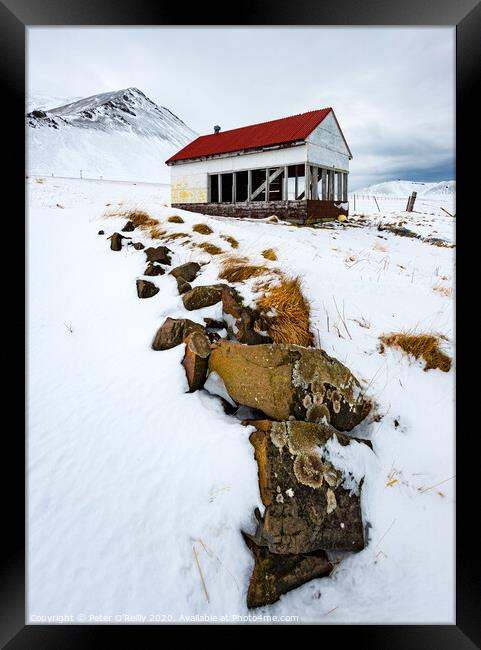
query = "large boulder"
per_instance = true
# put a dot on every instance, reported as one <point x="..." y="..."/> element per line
<point x="146" y="289"/>
<point x="274" y="575"/>
<point x="203" y="296"/>
<point x="159" y="254"/>
<point x="195" y="361"/>
<point x="307" y="507"/>
<point x="174" y="331"/>
<point x="186" y="271"/>
<point x="242" y="323"/>
<point x="285" y="381"/>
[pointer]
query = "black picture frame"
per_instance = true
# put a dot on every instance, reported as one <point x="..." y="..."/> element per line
<point x="15" y="17"/>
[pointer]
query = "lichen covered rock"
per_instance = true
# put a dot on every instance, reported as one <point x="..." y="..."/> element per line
<point x="203" y="296"/>
<point x="174" y="331"/>
<point x="306" y="506"/>
<point x="182" y="285"/>
<point x="146" y="289"/>
<point x="274" y="575"/>
<point x="186" y="271"/>
<point x="159" y="254"/>
<point x="286" y="381"/>
<point x="197" y="350"/>
<point x="153" y="269"/>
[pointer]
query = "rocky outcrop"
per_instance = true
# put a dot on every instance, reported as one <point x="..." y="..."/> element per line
<point x="203" y="296"/>
<point x="242" y="323"/>
<point x="197" y="350"/>
<point x="187" y="271"/>
<point x="274" y="575"/>
<point x="159" y="254"/>
<point x="153" y="269"/>
<point x="146" y="289"/>
<point x="174" y="331"/>
<point x="285" y="381"/>
<point x="182" y="285"/>
<point x="306" y="506"/>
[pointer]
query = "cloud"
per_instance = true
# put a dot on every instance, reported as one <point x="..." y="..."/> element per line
<point x="392" y="88"/>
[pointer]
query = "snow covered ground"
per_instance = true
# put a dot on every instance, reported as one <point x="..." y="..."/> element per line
<point x="127" y="472"/>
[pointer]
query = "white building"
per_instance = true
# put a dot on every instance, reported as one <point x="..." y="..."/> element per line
<point x="295" y="167"/>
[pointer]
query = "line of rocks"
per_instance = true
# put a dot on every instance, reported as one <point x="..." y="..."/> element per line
<point x="302" y="398"/>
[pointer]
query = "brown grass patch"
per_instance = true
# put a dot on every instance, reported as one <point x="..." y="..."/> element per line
<point x="231" y="240"/>
<point x="269" y="254"/>
<point x="234" y="271"/>
<point x="202" y="229"/>
<point x="210" y="248"/>
<point x="421" y="346"/>
<point x="175" y="219"/>
<point x="177" y="235"/>
<point x="286" y="313"/>
<point x="155" y="232"/>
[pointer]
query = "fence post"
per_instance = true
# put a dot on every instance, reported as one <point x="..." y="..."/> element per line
<point x="411" y="199"/>
<point x="377" y="204"/>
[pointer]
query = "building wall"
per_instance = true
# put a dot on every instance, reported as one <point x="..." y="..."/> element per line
<point x="326" y="146"/>
<point x="189" y="180"/>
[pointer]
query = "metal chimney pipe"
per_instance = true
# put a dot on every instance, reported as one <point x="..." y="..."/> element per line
<point x="216" y="128"/>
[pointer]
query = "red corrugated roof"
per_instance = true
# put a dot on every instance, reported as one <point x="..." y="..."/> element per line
<point x="282" y="131"/>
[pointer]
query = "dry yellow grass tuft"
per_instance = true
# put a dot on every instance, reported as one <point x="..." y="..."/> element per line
<point x="443" y="290"/>
<point x="175" y="219"/>
<point x="155" y="232"/>
<point x="231" y="240"/>
<point x="421" y="346"/>
<point x="202" y="229"/>
<point x="286" y="313"/>
<point x="235" y="271"/>
<point x="269" y="254"/>
<point x="177" y="235"/>
<point x="210" y="248"/>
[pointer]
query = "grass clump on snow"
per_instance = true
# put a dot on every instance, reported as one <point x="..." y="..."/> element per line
<point x="269" y="254"/>
<point x="286" y="313"/>
<point x="175" y="219"/>
<point x="177" y="235"/>
<point x="420" y="346"/>
<point x="202" y="229"/>
<point x="231" y="240"/>
<point x="235" y="270"/>
<point x="212" y="249"/>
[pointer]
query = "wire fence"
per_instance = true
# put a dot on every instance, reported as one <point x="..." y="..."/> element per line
<point x="90" y="176"/>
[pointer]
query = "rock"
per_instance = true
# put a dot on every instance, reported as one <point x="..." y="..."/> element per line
<point x="154" y="269"/>
<point x="101" y="232"/>
<point x="173" y="332"/>
<point x="146" y="289"/>
<point x="203" y="296"/>
<point x="186" y="271"/>
<point x="306" y="506"/>
<point x="274" y="575"/>
<point x="116" y="241"/>
<point x="182" y="285"/>
<point x="242" y="323"/>
<point x="129" y="226"/>
<point x="289" y="380"/>
<point x="138" y="246"/>
<point x="195" y="362"/>
<point x="213" y="324"/>
<point x="159" y="254"/>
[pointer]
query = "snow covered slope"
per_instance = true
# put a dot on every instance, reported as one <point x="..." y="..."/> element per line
<point x="404" y="188"/>
<point x="121" y="135"/>
<point x="127" y="471"/>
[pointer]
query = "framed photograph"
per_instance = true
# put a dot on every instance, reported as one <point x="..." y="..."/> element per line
<point x="240" y="351"/>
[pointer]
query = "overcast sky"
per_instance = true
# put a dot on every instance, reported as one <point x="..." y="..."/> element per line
<point x="392" y="89"/>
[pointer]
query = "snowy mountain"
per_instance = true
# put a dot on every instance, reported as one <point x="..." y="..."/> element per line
<point x="41" y="102"/>
<point x="404" y="188"/>
<point x="120" y="135"/>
